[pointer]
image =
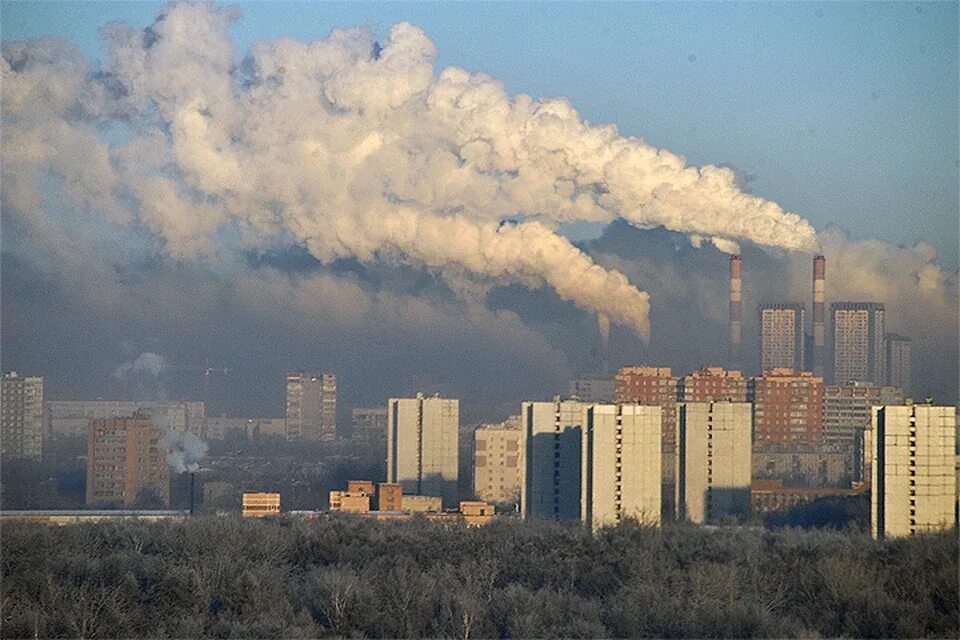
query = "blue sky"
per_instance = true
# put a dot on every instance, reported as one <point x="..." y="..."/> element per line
<point x="844" y="113"/>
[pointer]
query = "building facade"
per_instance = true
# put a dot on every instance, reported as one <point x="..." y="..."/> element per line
<point x="847" y="410"/>
<point x="621" y="465"/>
<point x="898" y="362"/>
<point x="598" y="388"/>
<point x="311" y="406"/>
<point x="782" y="336"/>
<point x="714" y="461"/>
<point x="787" y="408"/>
<point x="21" y="416"/>
<point x="72" y="417"/>
<point x="713" y="384"/>
<point x="369" y="424"/>
<point x="913" y="484"/>
<point x="126" y="457"/>
<point x="858" y="345"/>
<point x="422" y="446"/>
<point x="497" y="461"/>
<point x="552" y="446"/>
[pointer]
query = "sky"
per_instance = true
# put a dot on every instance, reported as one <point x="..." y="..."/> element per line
<point x="843" y="114"/>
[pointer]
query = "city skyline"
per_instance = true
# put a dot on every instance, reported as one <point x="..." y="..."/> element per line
<point x="392" y="317"/>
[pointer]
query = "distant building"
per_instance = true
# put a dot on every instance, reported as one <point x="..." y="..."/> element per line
<point x="781" y="336"/>
<point x="772" y="495"/>
<point x="21" y="416"/>
<point x="497" y="461"/>
<point x="350" y="501"/>
<point x="259" y="505"/>
<point x="847" y="410"/>
<point x="621" y="475"/>
<point x="913" y="470"/>
<point x="126" y="461"/>
<point x="311" y="406"/>
<point x="596" y="388"/>
<point x="713" y="461"/>
<point x="71" y="417"/>
<point x="713" y="384"/>
<point x="552" y="446"/>
<point x="369" y="424"/>
<point x="801" y="465"/>
<point x="857" y="339"/>
<point x="898" y="362"/>
<point x="787" y="408"/>
<point x="422" y="446"/>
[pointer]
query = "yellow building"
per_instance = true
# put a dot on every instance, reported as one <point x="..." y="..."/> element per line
<point x="258" y="505"/>
<point x="497" y="459"/>
<point x="913" y="488"/>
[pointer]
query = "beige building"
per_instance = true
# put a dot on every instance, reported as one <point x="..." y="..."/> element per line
<point x="71" y="417"/>
<point x="125" y="458"/>
<point x="497" y="460"/>
<point x="550" y="474"/>
<point x="781" y="336"/>
<point x="258" y="505"/>
<point x="311" y="406"/>
<point x="422" y="441"/>
<point x="621" y="465"/>
<point x="913" y="488"/>
<point x="713" y="460"/>
<point x="858" y="345"/>
<point x="21" y="416"/>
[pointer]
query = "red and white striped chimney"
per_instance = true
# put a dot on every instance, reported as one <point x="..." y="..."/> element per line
<point x="736" y="314"/>
<point x="819" y="324"/>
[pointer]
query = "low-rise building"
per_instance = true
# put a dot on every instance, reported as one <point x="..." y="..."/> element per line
<point x="258" y="505"/>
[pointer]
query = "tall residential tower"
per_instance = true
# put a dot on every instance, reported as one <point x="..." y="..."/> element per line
<point x="422" y="441"/>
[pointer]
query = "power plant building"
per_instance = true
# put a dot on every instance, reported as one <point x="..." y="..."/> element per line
<point x="621" y="465"/>
<point x="422" y="441"/>
<point x="126" y="461"/>
<point x="713" y="461"/>
<point x="21" y="416"/>
<point x="782" y="336"/>
<point x="311" y="406"/>
<point x="858" y="344"/>
<point x="787" y="408"/>
<point x="498" y="459"/>
<point x="898" y="361"/>
<point x="914" y="486"/>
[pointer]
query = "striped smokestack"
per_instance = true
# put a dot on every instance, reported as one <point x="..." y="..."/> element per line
<point x="736" y="315"/>
<point x="819" y="326"/>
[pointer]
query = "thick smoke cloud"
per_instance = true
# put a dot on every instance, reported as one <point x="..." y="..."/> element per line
<point x="351" y="150"/>
<point x="339" y="205"/>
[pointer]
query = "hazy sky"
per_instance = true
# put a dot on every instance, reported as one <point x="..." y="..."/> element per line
<point x="215" y="188"/>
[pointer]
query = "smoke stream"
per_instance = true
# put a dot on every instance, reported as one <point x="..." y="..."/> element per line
<point x="350" y="153"/>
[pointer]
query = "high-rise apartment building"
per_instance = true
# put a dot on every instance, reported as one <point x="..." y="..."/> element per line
<point x="913" y="487"/>
<point x="712" y="384"/>
<point x="898" y="361"/>
<point x="858" y="345"/>
<point x="552" y="445"/>
<point x="125" y="458"/>
<point x="650" y="386"/>
<point x="497" y="461"/>
<point x="621" y="465"/>
<point x="71" y="417"/>
<point x="422" y="446"/>
<point x="787" y="408"/>
<point x="369" y="424"/>
<point x="312" y="406"/>
<point x="847" y="410"/>
<point x="21" y="416"/>
<point x="713" y="460"/>
<point x="782" y="336"/>
<point x="598" y="388"/>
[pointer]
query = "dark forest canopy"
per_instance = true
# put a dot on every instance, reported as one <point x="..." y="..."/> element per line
<point x="347" y="576"/>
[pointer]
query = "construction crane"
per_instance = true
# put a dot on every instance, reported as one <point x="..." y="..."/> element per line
<point x="207" y="370"/>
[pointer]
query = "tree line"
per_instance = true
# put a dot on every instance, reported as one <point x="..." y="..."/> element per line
<point x="348" y="576"/>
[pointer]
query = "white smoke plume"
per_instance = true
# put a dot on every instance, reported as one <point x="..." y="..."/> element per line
<point x="184" y="450"/>
<point x="148" y="363"/>
<point x="349" y="149"/>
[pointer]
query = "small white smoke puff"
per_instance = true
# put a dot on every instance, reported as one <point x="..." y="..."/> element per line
<point x="184" y="450"/>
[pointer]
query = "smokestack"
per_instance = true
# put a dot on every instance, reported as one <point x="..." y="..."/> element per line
<point x="192" y="475"/>
<point x="736" y="316"/>
<point x="819" y="327"/>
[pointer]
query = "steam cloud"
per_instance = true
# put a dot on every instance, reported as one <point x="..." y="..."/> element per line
<point x="351" y="150"/>
<point x="151" y="364"/>
<point x="184" y="450"/>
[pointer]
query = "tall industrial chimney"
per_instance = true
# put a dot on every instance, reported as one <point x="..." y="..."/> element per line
<point x="736" y="316"/>
<point x="819" y="325"/>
